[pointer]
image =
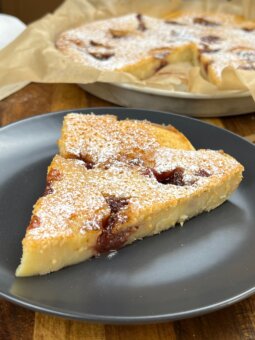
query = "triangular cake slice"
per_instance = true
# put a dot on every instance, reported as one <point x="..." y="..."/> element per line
<point x="85" y="212"/>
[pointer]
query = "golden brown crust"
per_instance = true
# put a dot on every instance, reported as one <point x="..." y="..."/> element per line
<point x="178" y="140"/>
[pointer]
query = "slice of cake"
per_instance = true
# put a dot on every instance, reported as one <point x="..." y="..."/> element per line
<point x="86" y="211"/>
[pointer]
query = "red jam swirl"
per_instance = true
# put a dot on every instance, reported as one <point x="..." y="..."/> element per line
<point x="205" y="22"/>
<point x="101" y="56"/>
<point x="141" y="24"/>
<point x="174" y="176"/>
<point x="34" y="222"/>
<point x="53" y="175"/>
<point x="210" y="39"/>
<point x="108" y="239"/>
<point x="202" y="173"/>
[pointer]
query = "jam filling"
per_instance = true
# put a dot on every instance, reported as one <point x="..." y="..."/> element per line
<point x="170" y="22"/>
<point x="34" y="222"/>
<point x="98" y="44"/>
<point x="205" y="22"/>
<point x="48" y="190"/>
<point x="174" y="176"/>
<point x="207" y="65"/>
<point x="211" y="39"/>
<point x="101" y="56"/>
<point x="160" y="54"/>
<point x="108" y="240"/>
<point x="116" y="203"/>
<point x="202" y="173"/>
<point x="53" y="175"/>
<point x="141" y="24"/>
<point x="88" y="163"/>
<point x="162" y="64"/>
<point x="207" y="49"/>
<point x="248" y="29"/>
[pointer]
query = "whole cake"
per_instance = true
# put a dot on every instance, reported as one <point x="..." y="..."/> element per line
<point x="142" y="45"/>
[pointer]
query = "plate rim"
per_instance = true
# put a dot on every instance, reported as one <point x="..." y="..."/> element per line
<point x="181" y="94"/>
<point x="111" y="319"/>
<point x="114" y="319"/>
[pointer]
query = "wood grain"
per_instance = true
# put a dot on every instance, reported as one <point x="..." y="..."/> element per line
<point x="233" y="323"/>
<point x="50" y="328"/>
<point x="16" y="323"/>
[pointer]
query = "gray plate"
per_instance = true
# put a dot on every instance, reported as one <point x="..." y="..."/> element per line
<point x="206" y="265"/>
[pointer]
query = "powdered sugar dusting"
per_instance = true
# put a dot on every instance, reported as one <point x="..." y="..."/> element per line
<point x="103" y="138"/>
<point x="211" y="41"/>
<point x="129" y="48"/>
<point x="78" y="201"/>
<point x="73" y="204"/>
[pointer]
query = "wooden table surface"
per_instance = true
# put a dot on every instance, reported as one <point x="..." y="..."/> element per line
<point x="234" y="322"/>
